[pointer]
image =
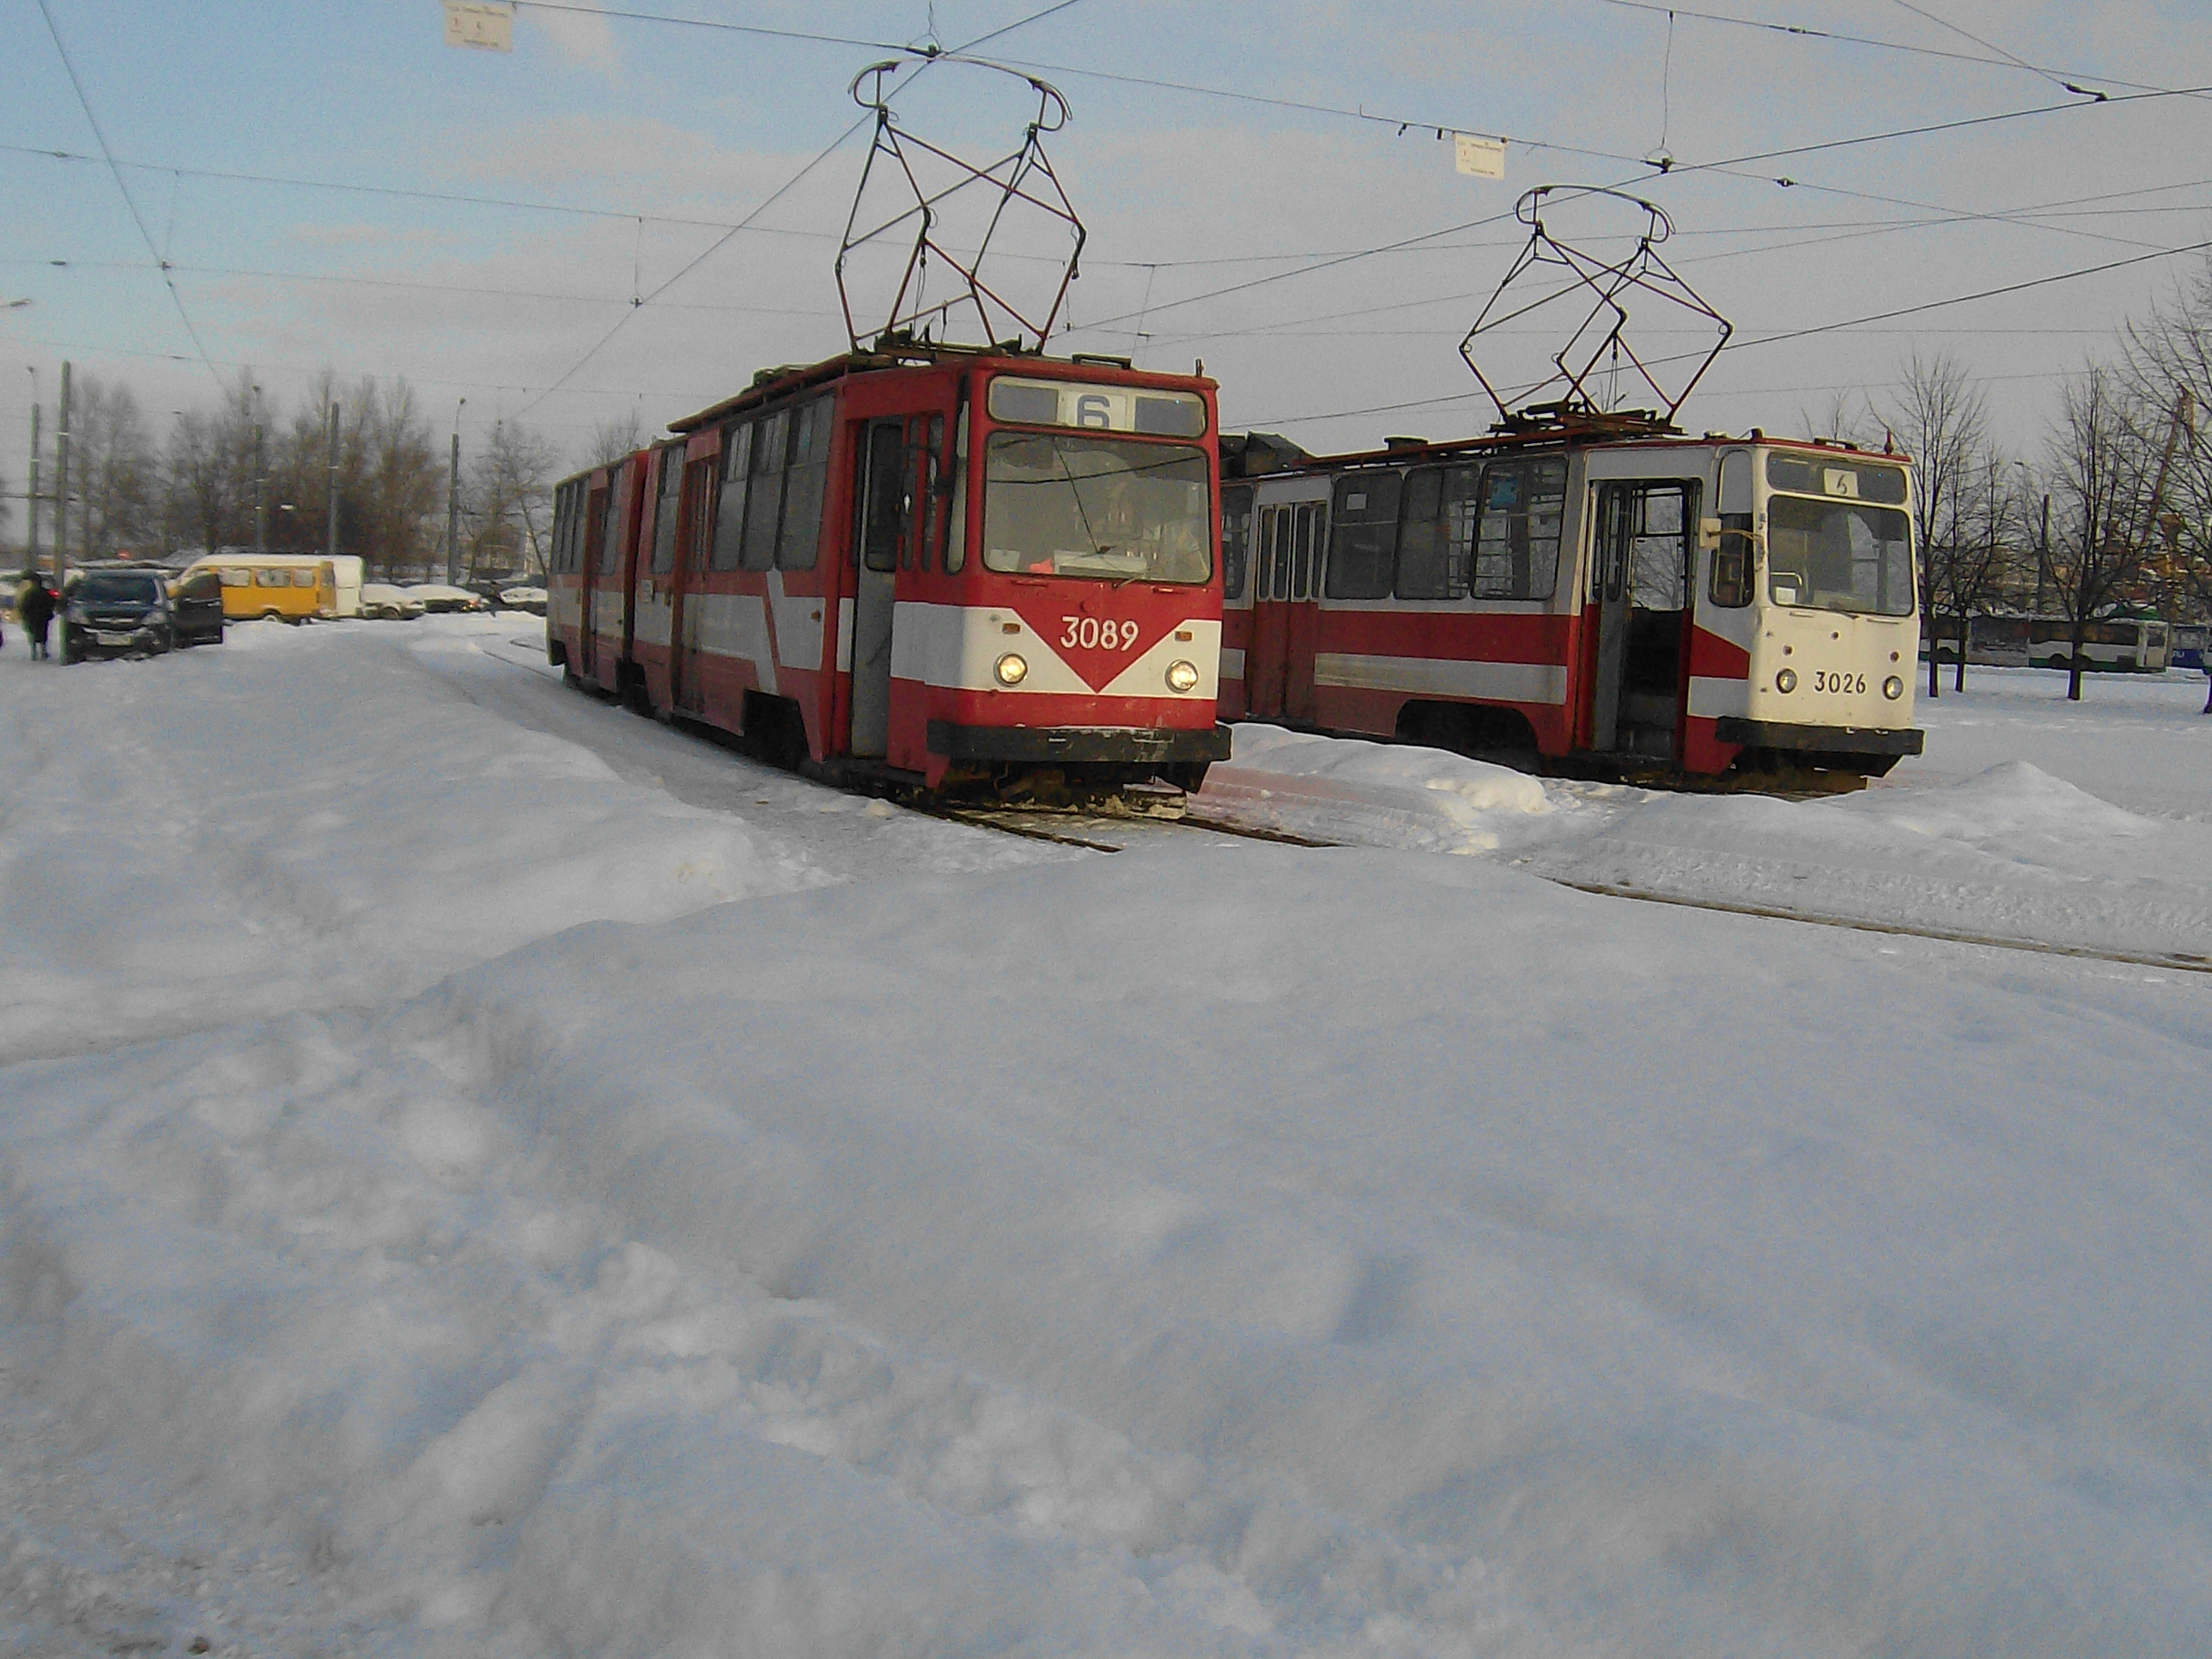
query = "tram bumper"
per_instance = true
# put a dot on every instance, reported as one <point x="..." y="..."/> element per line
<point x="1891" y="741"/>
<point x="1052" y="746"/>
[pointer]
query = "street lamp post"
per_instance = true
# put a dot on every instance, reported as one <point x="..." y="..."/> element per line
<point x="453" y="502"/>
<point x="31" y="535"/>
<point x="260" y="481"/>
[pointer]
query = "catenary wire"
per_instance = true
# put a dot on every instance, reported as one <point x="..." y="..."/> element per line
<point x="1808" y="332"/>
<point x="99" y="133"/>
<point x="790" y="183"/>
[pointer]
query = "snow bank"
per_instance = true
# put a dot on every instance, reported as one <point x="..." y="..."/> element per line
<point x="1226" y="1249"/>
<point x="2012" y="853"/>
<point x="298" y="820"/>
<point x="1345" y="789"/>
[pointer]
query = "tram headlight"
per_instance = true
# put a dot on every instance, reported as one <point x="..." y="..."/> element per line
<point x="1182" y="676"/>
<point x="1892" y="688"/>
<point x="1011" y="669"/>
<point x="1786" y="681"/>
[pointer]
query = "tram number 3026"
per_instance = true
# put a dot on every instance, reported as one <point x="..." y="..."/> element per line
<point x="1840" y="683"/>
<point x="1096" y="634"/>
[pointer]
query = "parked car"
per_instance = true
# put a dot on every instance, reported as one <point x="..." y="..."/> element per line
<point x="196" y="603"/>
<point x="523" y="599"/>
<point x="385" y="603"/>
<point x="437" y="596"/>
<point x="115" y="612"/>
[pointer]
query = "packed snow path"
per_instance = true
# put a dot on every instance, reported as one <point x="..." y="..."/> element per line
<point x="461" y="1198"/>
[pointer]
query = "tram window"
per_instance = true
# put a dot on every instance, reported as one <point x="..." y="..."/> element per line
<point x="800" y="543"/>
<point x="611" y="529"/>
<point x="1236" y="540"/>
<point x="1838" y="555"/>
<point x="1170" y="417"/>
<point x="730" y="508"/>
<point x="764" y="505"/>
<point x="664" y="510"/>
<point x="883" y="525"/>
<point x="699" y="513"/>
<point x="1731" y="583"/>
<point x="932" y="475"/>
<point x="1834" y="475"/>
<point x="1279" y="554"/>
<point x="1659" y="550"/>
<point x="956" y="542"/>
<point x="1517" y="541"/>
<point x="1437" y="540"/>
<point x="1363" y="554"/>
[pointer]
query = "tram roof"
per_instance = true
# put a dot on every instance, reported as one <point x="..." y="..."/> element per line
<point x="771" y="384"/>
<point x="1596" y="435"/>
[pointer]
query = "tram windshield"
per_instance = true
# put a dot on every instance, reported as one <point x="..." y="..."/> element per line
<point x="1065" y="504"/>
<point x="1838" y="555"/>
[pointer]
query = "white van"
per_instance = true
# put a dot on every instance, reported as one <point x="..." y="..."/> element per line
<point x="349" y="571"/>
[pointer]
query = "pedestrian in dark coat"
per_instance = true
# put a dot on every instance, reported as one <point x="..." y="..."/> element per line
<point x="35" y="605"/>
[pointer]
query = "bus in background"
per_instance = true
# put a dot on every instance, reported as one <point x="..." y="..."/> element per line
<point x="2118" y="644"/>
<point x="291" y="587"/>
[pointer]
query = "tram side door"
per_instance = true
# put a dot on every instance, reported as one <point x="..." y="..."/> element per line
<point x="587" y="576"/>
<point x="1285" y="579"/>
<point x="884" y="504"/>
<point x="1639" y="587"/>
<point x="1301" y="622"/>
<point x="694" y="534"/>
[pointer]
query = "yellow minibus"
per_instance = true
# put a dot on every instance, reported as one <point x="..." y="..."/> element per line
<point x="293" y="587"/>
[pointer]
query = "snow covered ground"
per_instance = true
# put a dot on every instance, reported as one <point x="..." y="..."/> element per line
<point x="480" y="1173"/>
<point x="1999" y="830"/>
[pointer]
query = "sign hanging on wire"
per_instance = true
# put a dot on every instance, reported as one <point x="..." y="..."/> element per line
<point x="1478" y="157"/>
<point x="485" y="25"/>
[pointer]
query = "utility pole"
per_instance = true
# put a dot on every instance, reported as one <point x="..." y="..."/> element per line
<point x="260" y="481"/>
<point x="31" y="537"/>
<point x="2043" y="556"/>
<point x="61" y="482"/>
<point x="453" y="503"/>
<point x="331" y="473"/>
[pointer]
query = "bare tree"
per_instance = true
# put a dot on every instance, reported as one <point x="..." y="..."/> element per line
<point x="114" y="469"/>
<point x="614" y="438"/>
<point x="2169" y="367"/>
<point x="1983" y="558"/>
<point x="506" y="493"/>
<point x="2104" y="465"/>
<point x="1941" y="422"/>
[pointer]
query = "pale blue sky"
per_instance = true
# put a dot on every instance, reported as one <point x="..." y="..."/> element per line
<point x="636" y="118"/>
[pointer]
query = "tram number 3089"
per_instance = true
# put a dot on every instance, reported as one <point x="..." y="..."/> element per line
<point x="1094" y="634"/>
<point x="1854" y="684"/>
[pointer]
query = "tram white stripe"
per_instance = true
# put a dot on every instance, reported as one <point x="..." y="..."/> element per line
<point x="1718" y="699"/>
<point x="798" y="624"/>
<point x="956" y="646"/>
<point x="736" y="625"/>
<point x="1447" y="677"/>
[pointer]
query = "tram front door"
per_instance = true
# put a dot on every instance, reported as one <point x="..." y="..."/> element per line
<point x="1640" y="585"/>
<point x="1279" y="663"/>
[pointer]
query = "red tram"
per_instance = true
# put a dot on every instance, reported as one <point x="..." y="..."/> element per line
<point x="932" y="566"/>
<point x="1599" y="588"/>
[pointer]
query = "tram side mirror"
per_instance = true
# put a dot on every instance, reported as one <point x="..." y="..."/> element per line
<point x="1709" y="535"/>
